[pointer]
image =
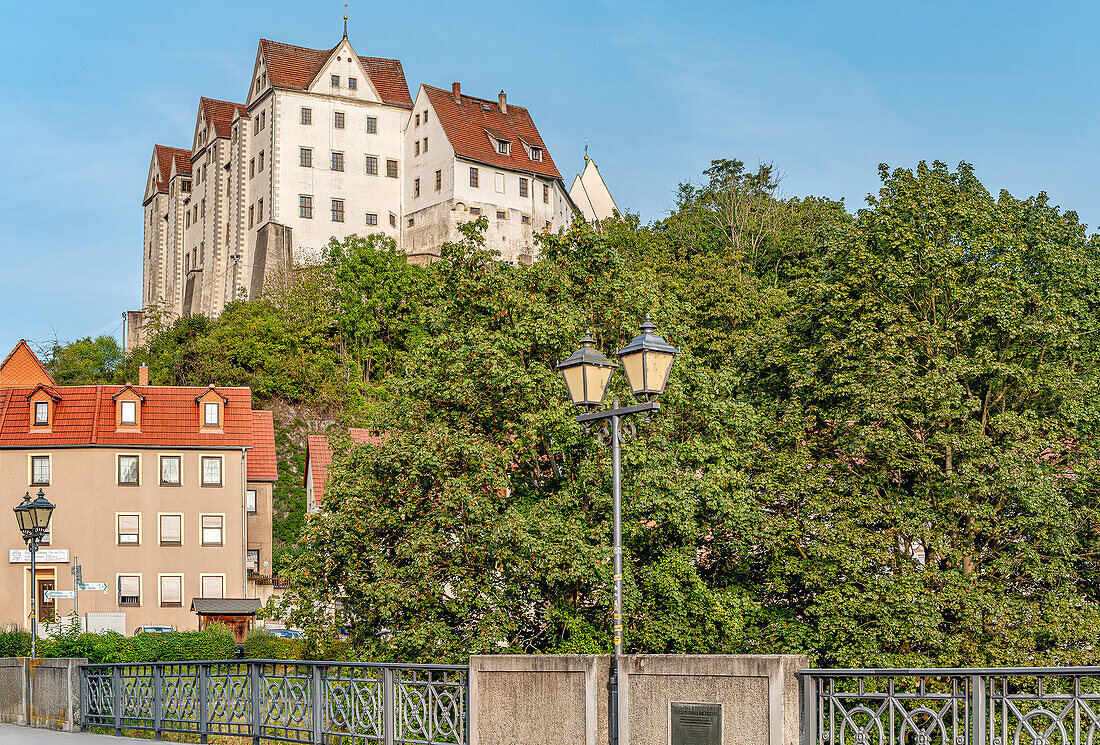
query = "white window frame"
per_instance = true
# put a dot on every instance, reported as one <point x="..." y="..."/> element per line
<point x="206" y="414"/>
<point x="253" y="495"/>
<point x="160" y="590"/>
<point x="179" y="472"/>
<point x="30" y="469"/>
<point x="203" y="577"/>
<point x="118" y="469"/>
<point x="202" y="530"/>
<point x="43" y="406"/>
<point x="221" y="470"/>
<point x="118" y="529"/>
<point x="160" y="528"/>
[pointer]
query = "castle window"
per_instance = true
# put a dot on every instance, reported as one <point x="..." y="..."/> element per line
<point x="391" y="168"/>
<point x="263" y="119"/>
<point x="251" y="214"/>
<point x="372" y="165"/>
<point x="417" y="120"/>
<point x="425" y="116"/>
<point x="337" y="161"/>
<point x="438" y="180"/>
<point x="261" y="160"/>
<point x="251" y="167"/>
<point x="372" y="125"/>
<point x="307" y="115"/>
<point x="473" y="177"/>
<point x="526" y="219"/>
<point x="372" y="218"/>
<point x="416" y="187"/>
<point x="41" y="413"/>
<point x="338" y="120"/>
<point x="501" y="215"/>
<point x="504" y="147"/>
<point x="412" y="221"/>
<point x="335" y="80"/>
<point x="305" y="206"/>
<point x="337" y="210"/>
<point x="425" y="144"/>
<point x="305" y="157"/>
<point x="416" y="148"/>
<point x="353" y="83"/>
<point x="393" y="220"/>
<point x="545" y="194"/>
<point x="475" y="210"/>
<point x="260" y="211"/>
<point x="522" y="187"/>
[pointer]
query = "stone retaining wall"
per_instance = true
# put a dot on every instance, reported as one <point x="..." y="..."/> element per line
<point x="41" y="693"/>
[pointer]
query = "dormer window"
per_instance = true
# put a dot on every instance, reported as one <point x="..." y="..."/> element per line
<point x="41" y="413"/>
<point x="128" y="415"/>
<point x="211" y="414"/>
<point x="536" y="153"/>
<point x="128" y="408"/>
<point x="504" y="147"/>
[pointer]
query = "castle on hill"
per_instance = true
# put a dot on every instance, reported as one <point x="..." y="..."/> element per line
<point x="329" y="143"/>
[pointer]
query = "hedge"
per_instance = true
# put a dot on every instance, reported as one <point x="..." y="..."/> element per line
<point x="213" y="643"/>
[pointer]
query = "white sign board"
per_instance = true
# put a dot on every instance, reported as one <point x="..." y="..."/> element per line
<point x="44" y="556"/>
<point x="94" y="586"/>
<point x="52" y="594"/>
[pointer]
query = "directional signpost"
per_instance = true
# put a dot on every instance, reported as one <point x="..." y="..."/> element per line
<point x="93" y="586"/>
<point x="54" y="594"/>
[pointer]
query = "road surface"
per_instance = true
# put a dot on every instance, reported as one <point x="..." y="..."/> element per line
<point x="11" y="734"/>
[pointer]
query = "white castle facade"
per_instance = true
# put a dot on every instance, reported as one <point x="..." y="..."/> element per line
<point x="328" y="144"/>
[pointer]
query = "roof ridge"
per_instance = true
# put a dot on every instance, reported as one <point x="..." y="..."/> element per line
<point x="475" y="98"/>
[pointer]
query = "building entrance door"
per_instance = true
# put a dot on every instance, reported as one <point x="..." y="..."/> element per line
<point x="45" y="607"/>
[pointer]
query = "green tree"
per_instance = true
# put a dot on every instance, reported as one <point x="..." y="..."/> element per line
<point x="85" y="361"/>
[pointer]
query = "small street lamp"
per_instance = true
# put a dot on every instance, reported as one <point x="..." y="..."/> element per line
<point x="647" y="361"/>
<point x="34" y="519"/>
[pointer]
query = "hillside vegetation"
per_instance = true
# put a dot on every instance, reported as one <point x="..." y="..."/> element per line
<point x="877" y="446"/>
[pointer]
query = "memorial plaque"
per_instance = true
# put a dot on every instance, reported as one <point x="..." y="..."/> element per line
<point x="695" y="724"/>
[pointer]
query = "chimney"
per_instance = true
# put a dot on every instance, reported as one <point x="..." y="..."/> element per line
<point x="503" y="103"/>
<point x="143" y="375"/>
<point x="456" y="91"/>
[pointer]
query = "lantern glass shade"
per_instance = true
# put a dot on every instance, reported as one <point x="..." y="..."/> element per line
<point x="587" y="375"/>
<point x="647" y="362"/>
<point x="34" y="516"/>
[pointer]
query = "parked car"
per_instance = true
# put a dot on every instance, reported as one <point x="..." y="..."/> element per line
<point x="285" y="633"/>
<point x="153" y="629"/>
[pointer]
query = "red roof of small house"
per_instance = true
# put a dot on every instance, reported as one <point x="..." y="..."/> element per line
<point x="220" y="114"/>
<point x="470" y="121"/>
<point x="262" y="464"/>
<point x="166" y="156"/>
<point x="319" y="456"/>
<point x="23" y="368"/>
<point x="293" y="67"/>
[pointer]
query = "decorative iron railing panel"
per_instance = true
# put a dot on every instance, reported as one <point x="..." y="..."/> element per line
<point x="992" y="706"/>
<point x="342" y="703"/>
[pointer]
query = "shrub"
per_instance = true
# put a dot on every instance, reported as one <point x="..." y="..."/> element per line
<point x="14" y="642"/>
<point x="261" y="645"/>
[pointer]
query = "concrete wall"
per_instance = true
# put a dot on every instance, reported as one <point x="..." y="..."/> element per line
<point x="41" y="693"/>
<point x="564" y="698"/>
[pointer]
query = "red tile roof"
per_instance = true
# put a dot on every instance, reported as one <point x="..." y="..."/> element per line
<point x="294" y="67"/>
<point x="23" y="368"/>
<point x="469" y="121"/>
<point x="220" y="114"/>
<point x="262" y="464"/>
<point x="319" y="456"/>
<point x="85" y="415"/>
<point x="165" y="157"/>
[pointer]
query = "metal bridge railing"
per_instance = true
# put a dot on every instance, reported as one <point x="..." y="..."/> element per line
<point x="951" y="706"/>
<point x="344" y="703"/>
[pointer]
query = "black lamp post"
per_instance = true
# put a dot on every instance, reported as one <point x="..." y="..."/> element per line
<point x="34" y="519"/>
<point x="647" y="361"/>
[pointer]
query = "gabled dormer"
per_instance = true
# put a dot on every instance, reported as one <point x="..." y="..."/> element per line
<point x="128" y="409"/>
<point x="260" y="83"/>
<point x="501" y="142"/>
<point x="211" y="410"/>
<point x="42" y="402"/>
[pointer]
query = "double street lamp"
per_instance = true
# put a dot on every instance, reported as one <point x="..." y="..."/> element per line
<point x="647" y="362"/>
<point x="33" y="517"/>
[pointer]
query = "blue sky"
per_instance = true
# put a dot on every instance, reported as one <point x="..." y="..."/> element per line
<point x="826" y="90"/>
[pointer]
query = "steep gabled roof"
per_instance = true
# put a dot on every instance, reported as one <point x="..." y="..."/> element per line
<point x="262" y="465"/>
<point x="469" y="121"/>
<point x="22" y="368"/>
<point x="319" y="457"/>
<point x="220" y="114"/>
<point x="294" y="68"/>
<point x="166" y="157"/>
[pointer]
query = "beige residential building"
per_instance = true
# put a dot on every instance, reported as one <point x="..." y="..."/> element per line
<point x="328" y="143"/>
<point x="163" y="493"/>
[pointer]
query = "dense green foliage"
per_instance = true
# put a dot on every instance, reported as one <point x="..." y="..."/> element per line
<point x="213" y="643"/>
<point x="877" y="446"/>
<point x="261" y="645"/>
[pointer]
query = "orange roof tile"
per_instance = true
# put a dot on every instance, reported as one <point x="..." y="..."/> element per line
<point x="319" y="457"/>
<point x="262" y="465"/>
<point x="469" y="121"/>
<point x="22" y="368"/>
<point x="293" y="67"/>
<point x="85" y="415"/>
<point x="220" y="114"/>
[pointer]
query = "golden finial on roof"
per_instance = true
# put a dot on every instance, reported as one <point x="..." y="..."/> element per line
<point x="345" y="20"/>
<point x="585" y="149"/>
